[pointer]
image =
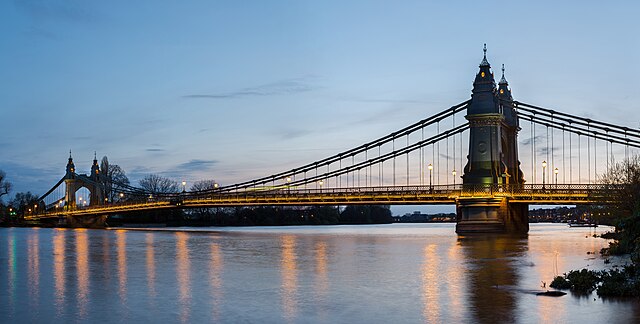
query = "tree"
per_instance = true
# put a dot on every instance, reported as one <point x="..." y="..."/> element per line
<point x="157" y="184"/>
<point x="116" y="180"/>
<point x="206" y="213"/>
<point x="625" y="205"/>
<point x="5" y="186"/>
<point x="202" y="185"/>
<point x="625" y="174"/>
<point x="23" y="201"/>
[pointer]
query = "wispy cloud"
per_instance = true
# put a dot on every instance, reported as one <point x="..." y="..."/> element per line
<point x="72" y="11"/>
<point x="155" y="150"/>
<point x="196" y="165"/>
<point x="530" y="140"/>
<point x="283" y="87"/>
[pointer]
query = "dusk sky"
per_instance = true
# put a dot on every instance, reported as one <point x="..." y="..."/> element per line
<point x="234" y="90"/>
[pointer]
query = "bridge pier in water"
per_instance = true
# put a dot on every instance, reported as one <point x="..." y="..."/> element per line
<point x="491" y="215"/>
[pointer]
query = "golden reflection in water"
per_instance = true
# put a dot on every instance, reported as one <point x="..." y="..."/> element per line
<point x="184" y="275"/>
<point x="455" y="284"/>
<point x="322" y="279"/>
<point x="33" y="267"/>
<point x="215" y="279"/>
<point x="58" y="268"/>
<point x="549" y="265"/>
<point x="289" y="273"/>
<point x="430" y="285"/>
<point x="82" y="266"/>
<point x="322" y="276"/>
<point x="106" y="256"/>
<point x="151" y="267"/>
<point x="121" y="245"/>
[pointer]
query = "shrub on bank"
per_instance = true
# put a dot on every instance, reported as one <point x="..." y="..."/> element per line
<point x="609" y="283"/>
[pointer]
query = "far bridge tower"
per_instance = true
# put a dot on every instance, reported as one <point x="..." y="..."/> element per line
<point x="492" y="160"/>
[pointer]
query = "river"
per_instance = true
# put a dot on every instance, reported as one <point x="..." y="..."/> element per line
<point x="396" y="273"/>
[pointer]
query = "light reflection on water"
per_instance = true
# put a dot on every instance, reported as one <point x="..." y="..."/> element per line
<point x="82" y="268"/>
<point x="183" y="272"/>
<point x="391" y="273"/>
<point x="289" y="277"/>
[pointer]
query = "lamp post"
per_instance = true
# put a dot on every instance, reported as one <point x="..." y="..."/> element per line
<point x="184" y="186"/>
<point x="544" y="167"/>
<point x="430" y="167"/>
<point x="454" y="177"/>
<point x="555" y="171"/>
<point x="288" y="179"/>
<point x="321" y="182"/>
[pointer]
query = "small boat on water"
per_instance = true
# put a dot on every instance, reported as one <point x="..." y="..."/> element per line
<point x="582" y="224"/>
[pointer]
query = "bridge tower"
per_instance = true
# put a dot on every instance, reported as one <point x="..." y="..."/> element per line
<point x="73" y="182"/>
<point x="70" y="184"/>
<point x="492" y="159"/>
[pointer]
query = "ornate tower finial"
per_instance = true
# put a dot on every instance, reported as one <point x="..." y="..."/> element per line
<point x="503" y="80"/>
<point x="484" y="58"/>
<point x="69" y="153"/>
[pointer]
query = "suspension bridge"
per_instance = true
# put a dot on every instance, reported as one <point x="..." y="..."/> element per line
<point x="467" y="155"/>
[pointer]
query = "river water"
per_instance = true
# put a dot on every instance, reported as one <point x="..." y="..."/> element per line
<point x="397" y="273"/>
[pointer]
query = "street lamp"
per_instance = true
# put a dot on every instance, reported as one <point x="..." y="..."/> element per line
<point x="454" y="177"/>
<point x="430" y="167"/>
<point x="184" y="186"/>
<point x="556" y="173"/>
<point x="544" y="167"/>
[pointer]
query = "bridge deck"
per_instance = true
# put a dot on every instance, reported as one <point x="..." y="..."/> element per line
<point x="398" y="195"/>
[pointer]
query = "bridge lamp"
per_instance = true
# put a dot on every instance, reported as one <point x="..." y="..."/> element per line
<point x="454" y="176"/>
<point x="288" y="179"/>
<point x="215" y="185"/>
<point x="184" y="186"/>
<point x="544" y="167"/>
<point x="121" y="195"/>
<point x="555" y="171"/>
<point x="430" y="167"/>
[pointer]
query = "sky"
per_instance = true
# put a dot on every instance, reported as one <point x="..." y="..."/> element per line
<point x="235" y="90"/>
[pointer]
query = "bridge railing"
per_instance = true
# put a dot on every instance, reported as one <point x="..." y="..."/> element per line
<point x="414" y="194"/>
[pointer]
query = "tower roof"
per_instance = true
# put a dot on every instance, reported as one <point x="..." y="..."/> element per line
<point x="483" y="99"/>
<point x="503" y="80"/>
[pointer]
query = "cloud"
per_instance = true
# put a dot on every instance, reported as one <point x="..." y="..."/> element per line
<point x="530" y="140"/>
<point x="155" y="150"/>
<point x="196" y="165"/>
<point x="28" y="178"/>
<point x="283" y="87"/>
<point x="293" y="133"/>
<point x="70" y="11"/>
